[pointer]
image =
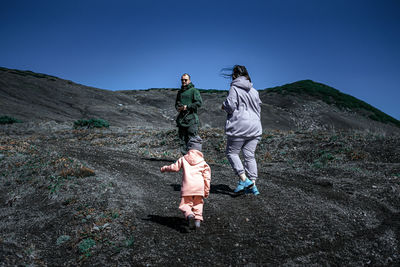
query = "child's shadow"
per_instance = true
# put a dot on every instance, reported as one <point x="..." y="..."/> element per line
<point x="177" y="223"/>
<point x="215" y="189"/>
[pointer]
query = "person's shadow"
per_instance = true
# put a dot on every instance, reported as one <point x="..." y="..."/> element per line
<point x="177" y="223"/>
<point x="215" y="189"/>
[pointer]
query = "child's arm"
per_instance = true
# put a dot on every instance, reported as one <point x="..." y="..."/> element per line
<point x="173" y="167"/>
<point x="207" y="180"/>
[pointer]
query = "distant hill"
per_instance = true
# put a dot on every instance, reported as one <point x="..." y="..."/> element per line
<point x="31" y="96"/>
<point x="333" y="96"/>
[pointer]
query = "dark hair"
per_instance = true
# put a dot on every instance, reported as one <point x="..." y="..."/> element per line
<point x="185" y="74"/>
<point x="236" y="72"/>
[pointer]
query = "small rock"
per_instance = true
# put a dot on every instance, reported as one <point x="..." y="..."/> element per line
<point x="95" y="228"/>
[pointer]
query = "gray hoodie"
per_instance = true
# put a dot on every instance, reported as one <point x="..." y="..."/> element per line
<point x="243" y="106"/>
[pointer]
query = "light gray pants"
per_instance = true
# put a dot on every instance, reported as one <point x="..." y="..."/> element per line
<point x="248" y="146"/>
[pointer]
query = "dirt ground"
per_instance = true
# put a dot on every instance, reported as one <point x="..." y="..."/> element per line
<point x="97" y="198"/>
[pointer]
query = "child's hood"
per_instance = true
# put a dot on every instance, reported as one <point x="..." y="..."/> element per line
<point x="194" y="157"/>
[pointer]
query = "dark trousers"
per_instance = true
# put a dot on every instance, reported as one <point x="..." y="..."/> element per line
<point x="184" y="134"/>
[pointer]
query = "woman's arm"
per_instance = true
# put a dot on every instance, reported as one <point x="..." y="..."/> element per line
<point x="231" y="101"/>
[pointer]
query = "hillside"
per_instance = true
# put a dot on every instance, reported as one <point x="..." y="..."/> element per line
<point x="30" y="96"/>
<point x="36" y="97"/>
<point x="329" y="181"/>
<point x="332" y="96"/>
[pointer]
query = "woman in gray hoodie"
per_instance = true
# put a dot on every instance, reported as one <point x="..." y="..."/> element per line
<point x="243" y="128"/>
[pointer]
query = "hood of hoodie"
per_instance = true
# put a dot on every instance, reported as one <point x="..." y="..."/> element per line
<point x="242" y="83"/>
<point x="194" y="157"/>
<point x="190" y="85"/>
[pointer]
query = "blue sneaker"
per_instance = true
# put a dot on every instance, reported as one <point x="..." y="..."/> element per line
<point x="247" y="184"/>
<point x="253" y="191"/>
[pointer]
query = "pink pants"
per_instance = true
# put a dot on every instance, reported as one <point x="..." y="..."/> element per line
<point x="192" y="205"/>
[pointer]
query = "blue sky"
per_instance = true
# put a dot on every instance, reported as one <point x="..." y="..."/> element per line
<point x="350" y="45"/>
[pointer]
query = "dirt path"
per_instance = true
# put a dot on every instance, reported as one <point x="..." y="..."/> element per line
<point x="297" y="219"/>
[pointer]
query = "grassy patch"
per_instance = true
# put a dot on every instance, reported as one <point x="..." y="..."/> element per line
<point x="322" y="158"/>
<point x="79" y="172"/>
<point x="91" y="123"/>
<point x="62" y="239"/>
<point x="8" y="120"/>
<point x="86" y="245"/>
<point x="55" y="183"/>
<point x="129" y="242"/>
<point x="223" y="161"/>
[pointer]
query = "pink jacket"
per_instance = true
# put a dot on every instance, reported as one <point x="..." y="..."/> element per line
<point x="196" y="174"/>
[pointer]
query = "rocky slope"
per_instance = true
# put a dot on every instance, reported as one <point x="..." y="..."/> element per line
<point x="36" y="97"/>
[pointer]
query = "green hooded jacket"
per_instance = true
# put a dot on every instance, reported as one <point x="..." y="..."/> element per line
<point x="190" y="97"/>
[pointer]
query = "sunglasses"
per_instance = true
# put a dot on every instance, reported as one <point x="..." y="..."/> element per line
<point x="184" y="80"/>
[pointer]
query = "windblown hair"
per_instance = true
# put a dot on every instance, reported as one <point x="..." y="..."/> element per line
<point x="236" y="72"/>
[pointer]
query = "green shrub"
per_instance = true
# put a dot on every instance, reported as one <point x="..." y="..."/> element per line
<point x="85" y="245"/>
<point x="62" y="239"/>
<point x="91" y="123"/>
<point x="129" y="242"/>
<point x="323" y="157"/>
<point x="317" y="164"/>
<point x="8" y="120"/>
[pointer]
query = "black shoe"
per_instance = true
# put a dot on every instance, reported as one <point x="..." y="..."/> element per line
<point x="191" y="222"/>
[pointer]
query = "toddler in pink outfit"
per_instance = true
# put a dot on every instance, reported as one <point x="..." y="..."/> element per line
<point x="195" y="181"/>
